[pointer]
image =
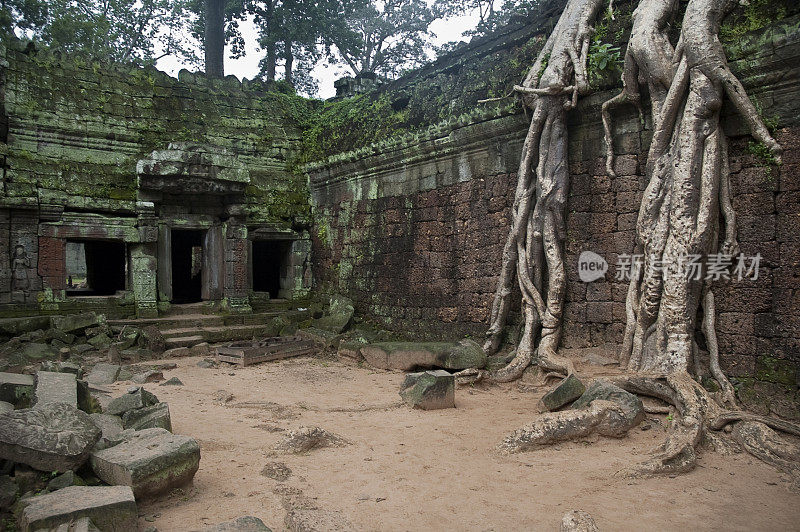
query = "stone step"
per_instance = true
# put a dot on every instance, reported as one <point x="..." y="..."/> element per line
<point x="184" y="341"/>
<point x="195" y="321"/>
<point x="218" y="334"/>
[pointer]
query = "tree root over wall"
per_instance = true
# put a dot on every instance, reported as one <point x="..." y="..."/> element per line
<point x="686" y="211"/>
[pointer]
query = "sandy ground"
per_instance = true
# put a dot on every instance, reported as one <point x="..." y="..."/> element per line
<point x="415" y="470"/>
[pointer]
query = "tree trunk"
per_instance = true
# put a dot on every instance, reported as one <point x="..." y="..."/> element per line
<point x="288" y="62"/>
<point x="214" y="38"/>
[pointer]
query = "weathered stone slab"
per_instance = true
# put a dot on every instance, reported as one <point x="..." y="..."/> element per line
<point x="77" y="323"/>
<point x="410" y="355"/>
<point x="53" y="437"/>
<point x="56" y="388"/>
<point x="136" y="397"/>
<point x="110" y="508"/>
<point x="103" y="373"/>
<point x="567" y="391"/>
<point x="36" y="351"/>
<point x="17" y="389"/>
<point x="84" y="524"/>
<point x="19" y="326"/>
<point x="429" y="390"/>
<point x="65" y="480"/>
<point x="149" y="417"/>
<point x="150" y="461"/>
<point x="6" y="407"/>
<point x="241" y="524"/>
<point x="100" y="341"/>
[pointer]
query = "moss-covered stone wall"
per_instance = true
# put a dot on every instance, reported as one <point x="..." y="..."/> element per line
<point x="412" y="227"/>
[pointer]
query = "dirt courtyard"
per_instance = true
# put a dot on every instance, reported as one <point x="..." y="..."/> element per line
<point x="414" y="470"/>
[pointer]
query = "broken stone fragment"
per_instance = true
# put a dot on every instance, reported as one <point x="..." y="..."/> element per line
<point x="340" y="315"/>
<point x="127" y="337"/>
<point x="65" y="480"/>
<point x="53" y="437"/>
<point x="36" y="351"/>
<point x="410" y="355"/>
<point x="56" y="388"/>
<point x="103" y="373"/>
<point x="16" y="326"/>
<point x="150" y="461"/>
<point x="429" y="390"/>
<point x="564" y="393"/>
<point x="151" y="339"/>
<point x="110" y="426"/>
<point x="77" y="323"/>
<point x="578" y="521"/>
<point x="174" y="381"/>
<point x="149" y="417"/>
<point x="100" y="341"/>
<point x="17" y="389"/>
<point x="137" y="397"/>
<point x="110" y="508"/>
<point x="61" y="336"/>
<point x="350" y="351"/>
<point x="241" y="524"/>
<point x="148" y="376"/>
<point x="6" y="407"/>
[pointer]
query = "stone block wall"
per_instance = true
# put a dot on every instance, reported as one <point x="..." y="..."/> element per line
<point x="413" y="229"/>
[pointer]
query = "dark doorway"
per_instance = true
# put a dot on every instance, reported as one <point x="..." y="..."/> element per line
<point x="95" y="268"/>
<point x="187" y="265"/>
<point x="270" y="265"/>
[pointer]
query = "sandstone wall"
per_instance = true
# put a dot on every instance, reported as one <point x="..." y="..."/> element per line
<point x="412" y="228"/>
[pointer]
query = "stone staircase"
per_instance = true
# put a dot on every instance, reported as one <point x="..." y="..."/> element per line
<point x="188" y="325"/>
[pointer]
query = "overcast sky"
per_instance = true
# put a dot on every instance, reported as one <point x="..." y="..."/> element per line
<point x="247" y="66"/>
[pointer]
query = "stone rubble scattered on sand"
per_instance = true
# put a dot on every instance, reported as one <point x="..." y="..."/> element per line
<point x="276" y="471"/>
<point x="561" y="395"/>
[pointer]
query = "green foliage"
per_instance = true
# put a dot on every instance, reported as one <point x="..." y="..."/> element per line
<point x="136" y="31"/>
<point x="604" y="60"/>
<point x="347" y="124"/>
<point x="762" y="153"/>
<point x="755" y="15"/>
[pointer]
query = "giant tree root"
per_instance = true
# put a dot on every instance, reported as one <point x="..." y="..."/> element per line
<point x="606" y="418"/>
<point x="697" y="412"/>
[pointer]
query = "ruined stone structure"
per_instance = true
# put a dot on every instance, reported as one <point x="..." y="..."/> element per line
<point x="165" y="191"/>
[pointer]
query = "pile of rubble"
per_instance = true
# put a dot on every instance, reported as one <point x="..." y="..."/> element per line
<point x="62" y="461"/>
<point x="78" y="337"/>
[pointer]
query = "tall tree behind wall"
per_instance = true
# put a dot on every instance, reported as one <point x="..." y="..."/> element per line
<point x="214" y="38"/>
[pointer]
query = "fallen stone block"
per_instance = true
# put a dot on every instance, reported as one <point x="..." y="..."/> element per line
<point x="100" y="341"/>
<point x="17" y="389"/>
<point x="176" y="352"/>
<point x="84" y="524"/>
<point x="411" y="355"/>
<point x="148" y="376"/>
<point x="564" y="393"/>
<point x="103" y="373"/>
<point x="35" y="352"/>
<point x="174" y="381"/>
<point x="127" y="337"/>
<point x="62" y="367"/>
<point x="56" y="388"/>
<point x="6" y="407"/>
<point x="150" y="461"/>
<point x="18" y="326"/>
<point x="350" y="351"/>
<point x="137" y="397"/>
<point x="61" y="336"/>
<point x="149" y="417"/>
<point x="151" y="339"/>
<point x="77" y="323"/>
<point x="247" y="523"/>
<point x="340" y="315"/>
<point x="53" y="437"/>
<point x="110" y="508"/>
<point x="80" y="349"/>
<point x="429" y="390"/>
